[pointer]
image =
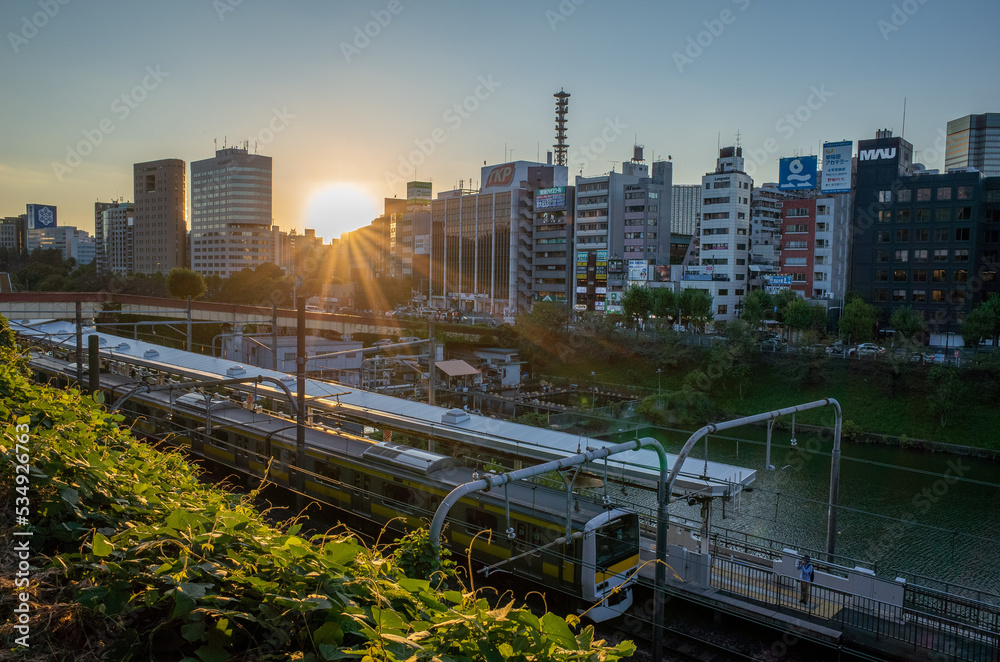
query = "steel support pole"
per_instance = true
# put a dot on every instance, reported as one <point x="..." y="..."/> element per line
<point x="274" y="337"/>
<point x="79" y="345"/>
<point x="831" y="517"/>
<point x="300" y="369"/>
<point x="189" y="323"/>
<point x="94" y="361"/>
<point x="431" y="366"/>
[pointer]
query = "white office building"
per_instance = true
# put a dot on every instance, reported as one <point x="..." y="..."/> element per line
<point x="231" y="212"/>
<point x="685" y="208"/>
<point x="723" y="264"/>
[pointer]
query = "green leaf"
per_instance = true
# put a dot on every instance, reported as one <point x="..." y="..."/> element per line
<point x="102" y="547"/>
<point x="556" y="629"/>
<point x="193" y="631"/>
<point x="195" y="590"/>
<point x="329" y="633"/>
<point x="212" y="654"/>
<point x="70" y="496"/>
<point x="183" y="604"/>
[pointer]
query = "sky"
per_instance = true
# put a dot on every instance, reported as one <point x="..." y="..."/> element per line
<point x="353" y="98"/>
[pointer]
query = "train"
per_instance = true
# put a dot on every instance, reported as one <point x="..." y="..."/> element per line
<point x="587" y="552"/>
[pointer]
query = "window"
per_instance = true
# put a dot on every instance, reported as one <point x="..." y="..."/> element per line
<point x="884" y="216"/>
<point x="797" y="211"/>
<point x="902" y="235"/>
<point x="822" y="210"/>
<point x="819" y="276"/>
<point x="899" y="295"/>
<point x="881" y="256"/>
<point x="723" y="293"/>
<point x="899" y="275"/>
<point x="799" y="278"/>
<point x="797" y="228"/>
<point x="799" y="245"/>
<point x="905" y="195"/>
<point x="885" y="196"/>
<point x="939" y="275"/>
<point x="882" y="235"/>
<point x="964" y="214"/>
<point x="962" y="234"/>
<point x="940" y="254"/>
<point x="958" y="296"/>
<point x="901" y="256"/>
<point x="944" y="193"/>
<point x="923" y="194"/>
<point x="942" y="215"/>
<point x="795" y="261"/>
<point x="741" y="247"/>
<point x="922" y="215"/>
<point x="919" y="275"/>
<point x="960" y="276"/>
<point x="919" y="296"/>
<point x="941" y="234"/>
<point x="937" y="296"/>
<point x="723" y="308"/>
<point x="881" y="295"/>
<point x="965" y="193"/>
<point x="881" y="275"/>
<point x="921" y="234"/>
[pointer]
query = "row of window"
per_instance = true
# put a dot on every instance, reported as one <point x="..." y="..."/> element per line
<point x="923" y="215"/>
<point x="922" y="254"/>
<point x="920" y="296"/>
<point x="921" y="275"/>
<point x="924" y="234"/>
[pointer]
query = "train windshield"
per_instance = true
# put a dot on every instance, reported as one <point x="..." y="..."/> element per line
<point x="617" y="540"/>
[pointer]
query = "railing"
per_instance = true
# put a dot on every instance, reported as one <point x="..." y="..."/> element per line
<point x="975" y="637"/>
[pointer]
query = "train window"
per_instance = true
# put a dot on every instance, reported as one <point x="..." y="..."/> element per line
<point x="520" y="530"/>
<point x="328" y="469"/>
<point x="477" y="520"/>
<point x="357" y="480"/>
<point x="398" y="494"/>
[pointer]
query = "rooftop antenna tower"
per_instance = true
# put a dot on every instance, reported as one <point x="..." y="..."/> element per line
<point x="562" y="107"/>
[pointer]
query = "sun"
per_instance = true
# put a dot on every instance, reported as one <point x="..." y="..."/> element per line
<point x="338" y="208"/>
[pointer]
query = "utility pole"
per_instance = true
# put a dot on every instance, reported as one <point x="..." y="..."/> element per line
<point x="300" y="437"/>
<point x="189" y="324"/>
<point x="431" y="368"/>
<point x="79" y="345"/>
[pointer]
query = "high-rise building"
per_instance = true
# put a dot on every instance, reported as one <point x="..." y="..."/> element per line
<point x="231" y="212"/>
<point x="685" y="208"/>
<point x="65" y="239"/>
<point x="481" y="247"/>
<point x="622" y="232"/>
<point x="723" y="262"/>
<point x="14" y="234"/>
<point x="765" y="227"/>
<point x="974" y="142"/>
<point x="814" y="235"/>
<point x="114" y="225"/>
<point x="552" y="245"/>
<point x="160" y="220"/>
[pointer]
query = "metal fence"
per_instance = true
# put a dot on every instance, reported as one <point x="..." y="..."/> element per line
<point x="975" y="637"/>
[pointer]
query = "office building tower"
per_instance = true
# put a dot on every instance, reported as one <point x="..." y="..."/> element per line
<point x="231" y="212"/>
<point x="160" y="216"/>
<point x="974" y="142"/>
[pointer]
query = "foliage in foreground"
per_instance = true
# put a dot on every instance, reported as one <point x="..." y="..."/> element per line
<point x="136" y="559"/>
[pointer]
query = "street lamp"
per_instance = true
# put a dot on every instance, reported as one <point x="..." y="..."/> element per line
<point x="658" y="371"/>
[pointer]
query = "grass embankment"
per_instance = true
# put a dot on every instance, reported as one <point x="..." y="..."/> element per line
<point x="132" y="558"/>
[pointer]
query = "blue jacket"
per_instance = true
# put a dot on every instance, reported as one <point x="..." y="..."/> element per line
<point x="807" y="569"/>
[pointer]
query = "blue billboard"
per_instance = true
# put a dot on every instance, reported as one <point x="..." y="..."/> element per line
<point x="797" y="173"/>
<point x="41" y="216"/>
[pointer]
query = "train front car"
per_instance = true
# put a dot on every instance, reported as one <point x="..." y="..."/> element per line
<point x="610" y="563"/>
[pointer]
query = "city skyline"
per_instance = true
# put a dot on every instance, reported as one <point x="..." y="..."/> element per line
<point x="359" y="98"/>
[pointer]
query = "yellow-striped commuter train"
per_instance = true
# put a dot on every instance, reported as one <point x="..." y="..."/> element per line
<point x="380" y="482"/>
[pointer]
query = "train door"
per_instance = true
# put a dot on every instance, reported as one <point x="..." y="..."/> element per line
<point x="361" y="495"/>
<point x="529" y="559"/>
<point x="242" y="455"/>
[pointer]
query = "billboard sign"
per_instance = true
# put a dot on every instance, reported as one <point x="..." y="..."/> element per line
<point x="41" y="217"/>
<point x="797" y="173"/>
<point x="501" y="175"/>
<point x="638" y="270"/>
<point x="550" y="198"/>
<point x="837" y="167"/>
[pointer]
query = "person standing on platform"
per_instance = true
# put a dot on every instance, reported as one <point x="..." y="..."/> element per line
<point x="805" y="567"/>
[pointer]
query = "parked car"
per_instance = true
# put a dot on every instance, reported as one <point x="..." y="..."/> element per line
<point x="835" y="348"/>
<point x="409" y="339"/>
<point x="772" y="345"/>
<point x="382" y="343"/>
<point x="867" y="350"/>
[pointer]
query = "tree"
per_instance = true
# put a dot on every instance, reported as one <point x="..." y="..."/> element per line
<point x="782" y="300"/>
<point x="183" y="283"/>
<point x="798" y="315"/>
<point x="983" y="323"/>
<point x="907" y="325"/>
<point x="758" y="305"/>
<point x="664" y="303"/>
<point x="696" y="305"/>
<point x="637" y="304"/>
<point x="943" y="392"/>
<point x="858" y="322"/>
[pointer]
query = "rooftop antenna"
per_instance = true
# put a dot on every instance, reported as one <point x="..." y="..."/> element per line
<point x="562" y="108"/>
<point x="902" y="132"/>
